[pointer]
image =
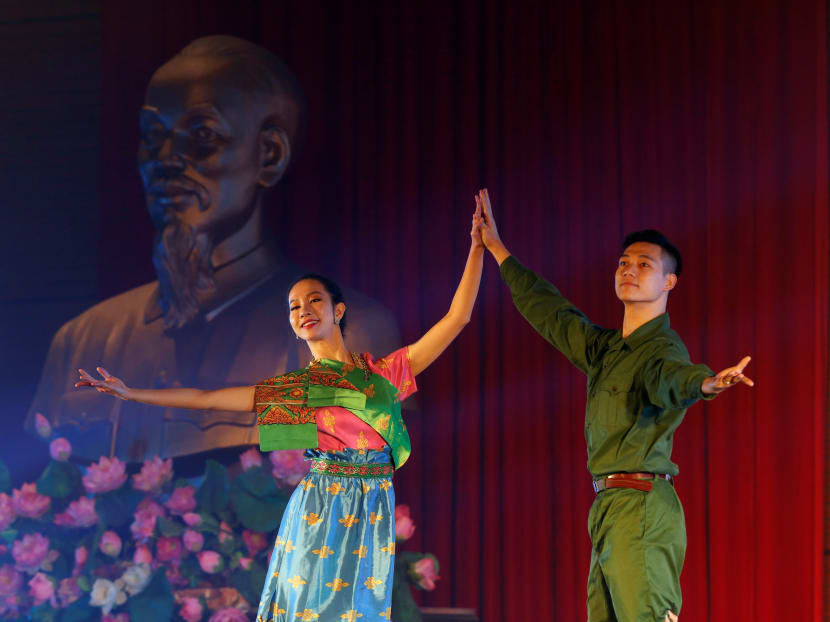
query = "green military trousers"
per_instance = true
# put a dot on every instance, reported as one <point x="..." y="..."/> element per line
<point x="638" y="543"/>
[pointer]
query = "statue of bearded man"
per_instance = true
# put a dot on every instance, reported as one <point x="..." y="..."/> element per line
<point x="218" y="128"/>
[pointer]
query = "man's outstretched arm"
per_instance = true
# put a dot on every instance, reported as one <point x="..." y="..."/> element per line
<point x="672" y="381"/>
<point x="543" y="306"/>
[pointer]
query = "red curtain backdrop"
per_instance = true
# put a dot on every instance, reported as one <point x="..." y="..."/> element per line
<point x="585" y="120"/>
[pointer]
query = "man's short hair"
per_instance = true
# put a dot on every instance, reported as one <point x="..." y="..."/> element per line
<point x="652" y="236"/>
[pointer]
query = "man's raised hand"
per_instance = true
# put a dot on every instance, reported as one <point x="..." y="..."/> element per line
<point x="727" y="378"/>
<point x="489" y="232"/>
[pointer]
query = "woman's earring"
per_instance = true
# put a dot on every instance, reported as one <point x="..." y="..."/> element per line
<point x="337" y="321"/>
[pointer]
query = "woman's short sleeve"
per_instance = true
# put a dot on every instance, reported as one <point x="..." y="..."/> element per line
<point x="396" y="369"/>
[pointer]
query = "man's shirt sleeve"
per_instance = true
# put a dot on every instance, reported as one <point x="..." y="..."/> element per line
<point x="672" y="381"/>
<point x="551" y="314"/>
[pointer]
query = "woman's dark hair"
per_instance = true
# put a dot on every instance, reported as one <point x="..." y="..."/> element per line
<point x="332" y="289"/>
<point x="652" y="236"/>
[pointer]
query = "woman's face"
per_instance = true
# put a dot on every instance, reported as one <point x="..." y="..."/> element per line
<point x="311" y="312"/>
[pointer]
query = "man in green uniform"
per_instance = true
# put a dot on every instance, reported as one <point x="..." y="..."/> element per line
<point x="640" y="383"/>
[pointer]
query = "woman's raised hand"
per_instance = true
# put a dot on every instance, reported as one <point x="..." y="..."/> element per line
<point x="109" y="385"/>
<point x="475" y="232"/>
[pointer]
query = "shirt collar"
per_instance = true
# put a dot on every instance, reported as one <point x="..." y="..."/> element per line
<point x="650" y="329"/>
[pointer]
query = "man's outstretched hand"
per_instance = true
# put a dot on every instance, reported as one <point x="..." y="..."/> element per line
<point x="729" y="377"/>
<point x="487" y="226"/>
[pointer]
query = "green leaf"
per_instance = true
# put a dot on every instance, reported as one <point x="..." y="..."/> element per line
<point x="5" y="478"/>
<point x="84" y="584"/>
<point x="43" y="613"/>
<point x="249" y="582"/>
<point x="80" y="611"/>
<point x="169" y="528"/>
<point x="60" y="480"/>
<point x="404" y="608"/>
<point x="155" y="602"/>
<point x="116" y="508"/>
<point x="9" y="535"/>
<point x="209" y="523"/>
<point x="257" y="501"/>
<point x="212" y="495"/>
<point x="228" y="546"/>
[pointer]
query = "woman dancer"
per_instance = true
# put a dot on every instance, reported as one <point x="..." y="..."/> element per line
<point x="333" y="556"/>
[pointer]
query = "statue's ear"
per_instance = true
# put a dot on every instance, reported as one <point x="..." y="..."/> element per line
<point x="275" y="154"/>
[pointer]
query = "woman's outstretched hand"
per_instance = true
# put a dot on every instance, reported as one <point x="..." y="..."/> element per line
<point x="109" y="385"/>
<point x="488" y="229"/>
<point x="475" y="232"/>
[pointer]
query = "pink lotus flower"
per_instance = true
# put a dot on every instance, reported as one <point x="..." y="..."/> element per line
<point x="80" y="513"/>
<point x="182" y="500"/>
<point x="153" y="475"/>
<point x="42" y="426"/>
<point x="424" y="572"/>
<point x="168" y="549"/>
<point x="151" y="506"/>
<point x="231" y="614"/>
<point x="142" y="555"/>
<point x="68" y="591"/>
<point x="30" y="552"/>
<point x="10" y="580"/>
<point x="7" y="515"/>
<point x="250" y="459"/>
<point x="210" y="561"/>
<point x="60" y="449"/>
<point x="193" y="540"/>
<point x="41" y="589"/>
<point x="289" y="466"/>
<point x="10" y="607"/>
<point x="245" y="562"/>
<point x="81" y="555"/>
<point x="225" y="532"/>
<point x="255" y="541"/>
<point x="404" y="526"/>
<point x="27" y="501"/>
<point x="191" y="610"/>
<point x="145" y="516"/>
<point x="105" y="475"/>
<point x="192" y="519"/>
<point x="110" y="544"/>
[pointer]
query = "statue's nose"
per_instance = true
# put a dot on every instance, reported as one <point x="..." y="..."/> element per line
<point x="168" y="163"/>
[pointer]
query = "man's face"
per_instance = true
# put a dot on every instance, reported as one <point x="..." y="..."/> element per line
<point x="199" y="156"/>
<point x="639" y="276"/>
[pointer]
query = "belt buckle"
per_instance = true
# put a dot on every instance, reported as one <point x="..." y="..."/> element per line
<point x="595" y="484"/>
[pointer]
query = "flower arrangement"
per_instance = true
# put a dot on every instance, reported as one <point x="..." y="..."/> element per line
<point x="82" y="545"/>
<point x="100" y="544"/>
<point x="411" y="569"/>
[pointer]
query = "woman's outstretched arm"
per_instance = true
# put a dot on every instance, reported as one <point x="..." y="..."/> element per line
<point x="424" y="351"/>
<point x="234" y="399"/>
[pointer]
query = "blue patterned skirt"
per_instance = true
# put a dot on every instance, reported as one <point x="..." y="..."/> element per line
<point x="334" y="555"/>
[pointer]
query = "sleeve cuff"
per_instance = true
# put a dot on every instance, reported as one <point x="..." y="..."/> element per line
<point x="511" y="269"/>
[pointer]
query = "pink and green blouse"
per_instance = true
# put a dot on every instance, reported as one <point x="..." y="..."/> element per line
<point x="332" y="405"/>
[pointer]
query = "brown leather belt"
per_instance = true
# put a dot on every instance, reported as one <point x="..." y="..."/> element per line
<point x="639" y="481"/>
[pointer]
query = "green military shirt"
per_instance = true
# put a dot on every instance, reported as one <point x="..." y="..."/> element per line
<point x="639" y="387"/>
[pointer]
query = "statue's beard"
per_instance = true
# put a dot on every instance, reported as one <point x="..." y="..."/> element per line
<point x="182" y="260"/>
